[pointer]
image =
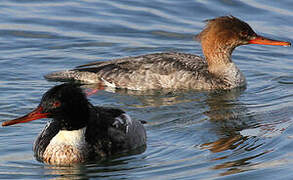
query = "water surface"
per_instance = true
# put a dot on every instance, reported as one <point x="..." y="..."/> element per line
<point x="241" y="134"/>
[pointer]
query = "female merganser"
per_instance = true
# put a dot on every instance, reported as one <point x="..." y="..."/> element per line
<point x="178" y="70"/>
<point x="80" y="132"/>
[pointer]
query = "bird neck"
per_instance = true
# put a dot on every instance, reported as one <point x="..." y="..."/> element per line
<point x="217" y="54"/>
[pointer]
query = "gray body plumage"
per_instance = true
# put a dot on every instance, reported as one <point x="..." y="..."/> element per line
<point x="155" y="71"/>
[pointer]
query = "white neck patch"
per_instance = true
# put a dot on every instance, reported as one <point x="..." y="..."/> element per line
<point x="76" y="138"/>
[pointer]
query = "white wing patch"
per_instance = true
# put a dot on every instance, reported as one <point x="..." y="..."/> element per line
<point x="123" y="120"/>
<point x="117" y="121"/>
<point x="127" y="118"/>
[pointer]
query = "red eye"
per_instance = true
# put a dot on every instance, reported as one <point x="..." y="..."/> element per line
<point x="244" y="33"/>
<point x="56" y="104"/>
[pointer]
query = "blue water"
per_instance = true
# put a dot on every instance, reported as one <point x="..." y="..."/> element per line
<point x="238" y="134"/>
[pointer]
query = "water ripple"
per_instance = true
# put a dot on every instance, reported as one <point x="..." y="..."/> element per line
<point x="191" y="135"/>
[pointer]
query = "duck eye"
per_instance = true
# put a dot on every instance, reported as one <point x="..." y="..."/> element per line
<point x="56" y="104"/>
<point x="244" y="33"/>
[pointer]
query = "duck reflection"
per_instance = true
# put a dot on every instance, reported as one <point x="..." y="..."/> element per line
<point x="229" y="117"/>
<point x="148" y="98"/>
<point x="108" y="168"/>
<point x="241" y="134"/>
<point x="223" y="144"/>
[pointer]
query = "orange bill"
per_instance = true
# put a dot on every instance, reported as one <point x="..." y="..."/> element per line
<point x="34" y="115"/>
<point x="267" y="41"/>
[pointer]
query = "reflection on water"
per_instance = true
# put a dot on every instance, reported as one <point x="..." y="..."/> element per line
<point x="112" y="167"/>
<point x="237" y="166"/>
<point x="150" y="98"/>
<point x="242" y="133"/>
<point x="224" y="144"/>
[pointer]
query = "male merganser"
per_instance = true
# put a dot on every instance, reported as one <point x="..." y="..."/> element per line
<point x="80" y="132"/>
<point x="178" y="70"/>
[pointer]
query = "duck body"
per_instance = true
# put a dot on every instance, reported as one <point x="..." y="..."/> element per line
<point x="177" y="70"/>
<point x="65" y="140"/>
<point x="116" y="135"/>
<point x="156" y="71"/>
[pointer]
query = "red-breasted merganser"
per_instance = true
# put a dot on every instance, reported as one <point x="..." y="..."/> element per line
<point x="80" y="132"/>
<point x="178" y="70"/>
